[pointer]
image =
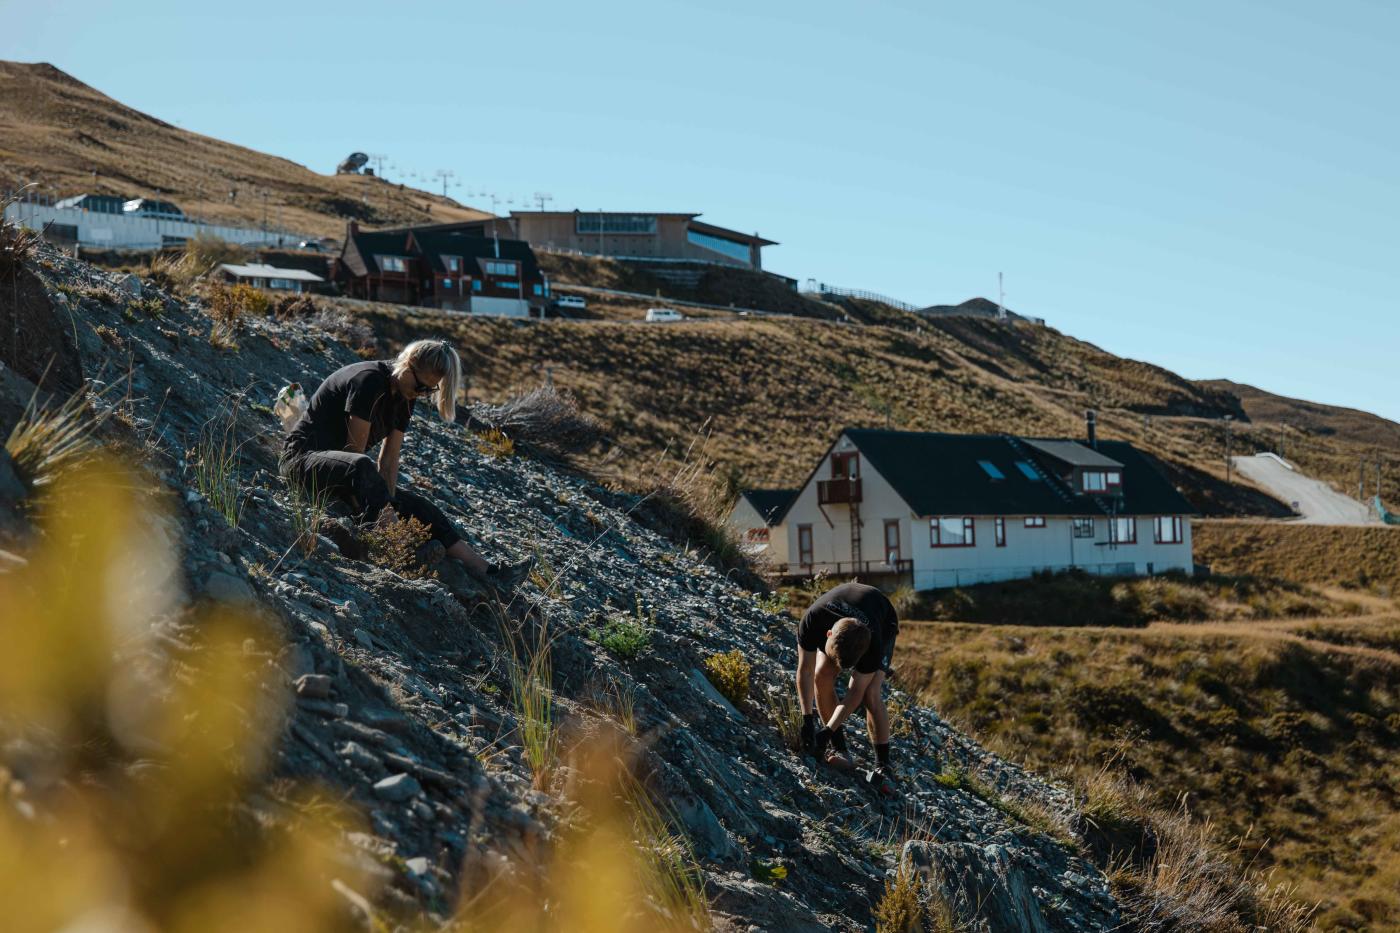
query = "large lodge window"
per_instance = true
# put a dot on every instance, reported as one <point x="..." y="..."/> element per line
<point x="614" y="223"/>
<point x="730" y="248"/>
<point x="1168" y="529"/>
<point x="952" y="532"/>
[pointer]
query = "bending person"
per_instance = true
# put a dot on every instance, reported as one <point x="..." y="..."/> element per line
<point x="850" y="627"/>
<point x="364" y="405"/>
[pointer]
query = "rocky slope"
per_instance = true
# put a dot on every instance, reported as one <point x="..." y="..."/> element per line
<point x="412" y="687"/>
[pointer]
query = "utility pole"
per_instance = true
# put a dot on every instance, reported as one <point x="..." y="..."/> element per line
<point x="600" y="231"/>
<point x="1001" y="299"/>
<point x="1229" y="421"/>
<point x="541" y="199"/>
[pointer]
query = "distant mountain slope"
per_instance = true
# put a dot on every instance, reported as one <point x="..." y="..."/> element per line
<point x="1347" y="424"/>
<point x="73" y="139"/>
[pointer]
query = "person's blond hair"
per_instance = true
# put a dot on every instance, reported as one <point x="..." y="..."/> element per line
<point x="434" y="358"/>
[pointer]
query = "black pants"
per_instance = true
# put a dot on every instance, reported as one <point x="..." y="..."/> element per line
<point x="354" y="479"/>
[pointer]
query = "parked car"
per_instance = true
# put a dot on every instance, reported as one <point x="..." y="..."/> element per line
<point x="571" y="302"/>
<point x="663" y="315"/>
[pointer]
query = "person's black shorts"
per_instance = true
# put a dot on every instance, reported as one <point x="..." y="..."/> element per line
<point x="888" y="656"/>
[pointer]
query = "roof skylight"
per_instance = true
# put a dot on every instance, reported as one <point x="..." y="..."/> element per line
<point x="1028" y="471"/>
<point x="990" y="469"/>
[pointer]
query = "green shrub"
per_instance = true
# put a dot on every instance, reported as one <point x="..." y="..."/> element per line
<point x="626" y="636"/>
<point x="729" y="672"/>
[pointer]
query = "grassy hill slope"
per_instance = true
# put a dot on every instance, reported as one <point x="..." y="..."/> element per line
<point x="57" y="131"/>
<point x="1284" y="734"/>
<point x="771" y="395"/>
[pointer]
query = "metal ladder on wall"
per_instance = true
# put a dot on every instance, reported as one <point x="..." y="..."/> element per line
<point x="855" y="533"/>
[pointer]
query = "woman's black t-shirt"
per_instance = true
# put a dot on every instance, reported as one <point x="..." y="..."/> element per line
<point x="360" y="389"/>
<point x="858" y="601"/>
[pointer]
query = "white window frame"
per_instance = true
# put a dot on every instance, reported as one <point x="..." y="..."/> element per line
<point x="967" y="537"/>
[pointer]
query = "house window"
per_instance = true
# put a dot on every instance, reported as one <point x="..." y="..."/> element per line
<point x="452" y="263"/>
<point x="1083" y="527"/>
<point x="845" y="466"/>
<point x="537" y="289"/>
<point x="499" y="267"/>
<point x="1000" y="527"/>
<point x="891" y="541"/>
<point x="1028" y="471"/>
<point x="1035" y="521"/>
<point x="280" y="283"/>
<point x="510" y="285"/>
<point x="1095" y="481"/>
<point x="476" y="285"/>
<point x="1168" y="529"/>
<point x="447" y="285"/>
<point x="1114" y="478"/>
<point x="952" y="532"/>
<point x="990" y="469"/>
<point x="392" y="263"/>
<point x="1123" y="530"/>
<point x="804" y="545"/>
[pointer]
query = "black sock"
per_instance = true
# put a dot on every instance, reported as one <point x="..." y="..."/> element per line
<point x="809" y="719"/>
<point x="838" y="741"/>
<point x="882" y="754"/>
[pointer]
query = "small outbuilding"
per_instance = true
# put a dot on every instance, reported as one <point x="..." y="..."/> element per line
<point x="260" y="275"/>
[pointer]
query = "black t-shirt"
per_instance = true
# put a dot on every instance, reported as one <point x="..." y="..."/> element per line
<point x="360" y="389"/>
<point x="858" y="601"/>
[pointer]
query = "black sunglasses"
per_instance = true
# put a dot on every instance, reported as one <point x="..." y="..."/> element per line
<point x="418" y="385"/>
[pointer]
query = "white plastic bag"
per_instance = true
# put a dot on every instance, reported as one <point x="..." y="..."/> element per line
<point x="290" y="405"/>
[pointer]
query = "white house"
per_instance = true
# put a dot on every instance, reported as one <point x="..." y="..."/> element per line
<point x="753" y="518"/>
<point x="958" y="509"/>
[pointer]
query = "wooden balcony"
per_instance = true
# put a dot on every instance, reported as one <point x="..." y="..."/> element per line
<point x="838" y="491"/>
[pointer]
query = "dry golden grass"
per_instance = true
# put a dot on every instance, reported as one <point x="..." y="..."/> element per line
<point x="1361" y="557"/>
<point x="1285" y="736"/>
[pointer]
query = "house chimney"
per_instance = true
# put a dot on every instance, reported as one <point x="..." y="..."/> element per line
<point x="352" y="228"/>
<point x="1089" y="419"/>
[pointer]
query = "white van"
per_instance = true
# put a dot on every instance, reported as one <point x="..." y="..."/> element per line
<point x="570" y="301"/>
<point x="662" y="315"/>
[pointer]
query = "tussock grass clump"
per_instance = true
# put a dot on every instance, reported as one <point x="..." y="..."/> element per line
<point x="786" y="714"/>
<point x="729" y="672"/>
<point x="307" y="511"/>
<point x="215" y="462"/>
<point x="202" y="254"/>
<point x="228" y="306"/>
<point x="394" y="544"/>
<point x="901" y="907"/>
<point x="47" y="443"/>
<point x="18" y="243"/>
<point x="531" y="673"/>
<point x="543" y="420"/>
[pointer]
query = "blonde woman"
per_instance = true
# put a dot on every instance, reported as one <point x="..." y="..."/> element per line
<point x="364" y="405"/>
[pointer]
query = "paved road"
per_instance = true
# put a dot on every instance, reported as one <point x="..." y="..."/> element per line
<point x="1319" y="503"/>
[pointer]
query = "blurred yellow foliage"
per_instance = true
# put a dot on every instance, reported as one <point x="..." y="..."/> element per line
<point x="128" y="776"/>
<point x="123" y="776"/>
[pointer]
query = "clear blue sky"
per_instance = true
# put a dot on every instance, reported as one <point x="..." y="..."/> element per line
<point x="1211" y="186"/>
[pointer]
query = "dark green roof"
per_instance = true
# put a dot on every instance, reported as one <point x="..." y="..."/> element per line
<point x="772" y="504"/>
<point x="942" y="474"/>
<point x="435" y="244"/>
